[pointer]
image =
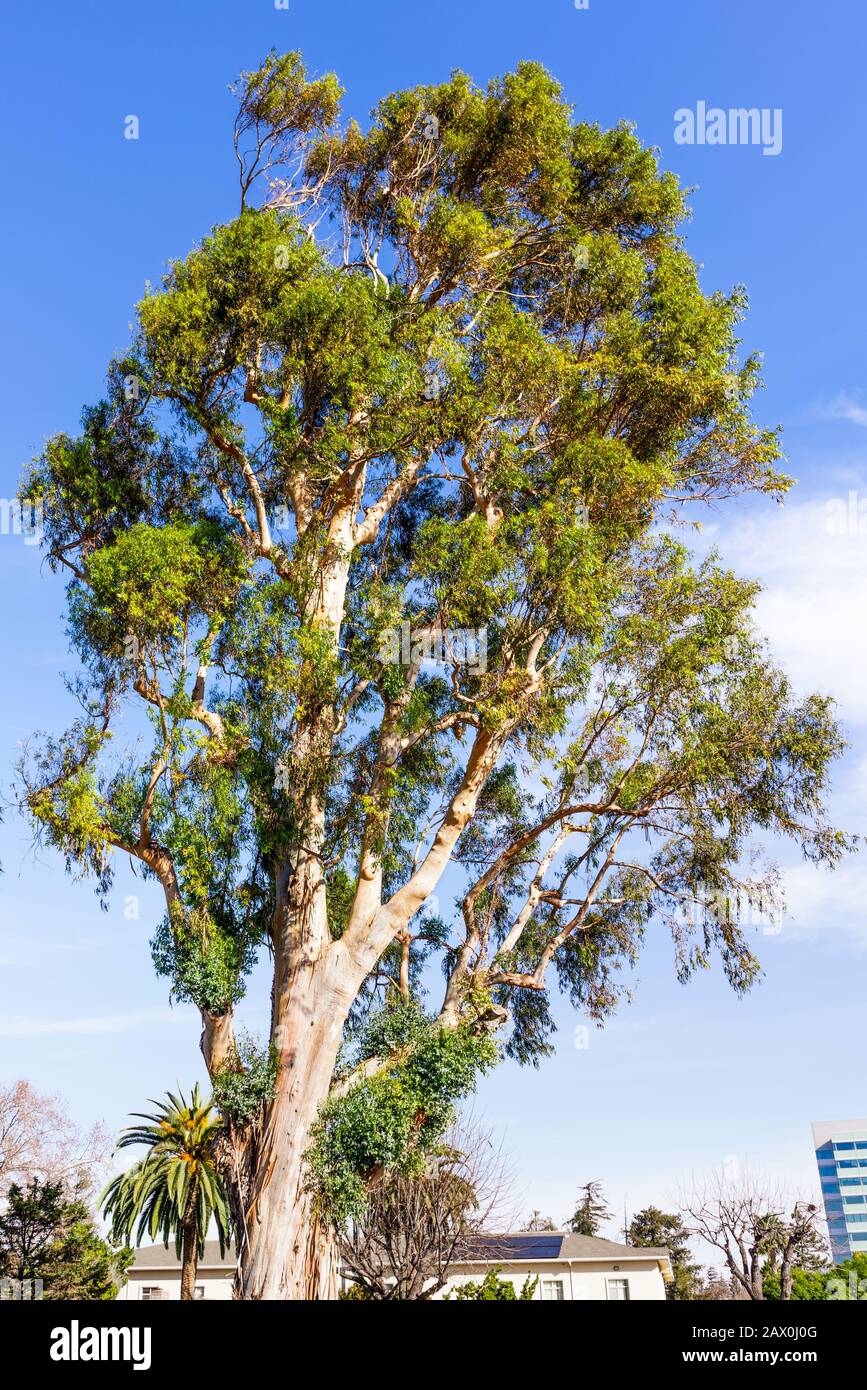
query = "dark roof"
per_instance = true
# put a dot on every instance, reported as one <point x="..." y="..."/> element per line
<point x="531" y="1246"/>
<point x="595" y="1248"/>
<point x="549" y="1245"/>
<point x="158" y="1257"/>
<point x="517" y="1245"/>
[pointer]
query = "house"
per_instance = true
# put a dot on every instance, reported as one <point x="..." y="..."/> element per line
<point x="156" y="1274"/>
<point x="568" y="1267"/>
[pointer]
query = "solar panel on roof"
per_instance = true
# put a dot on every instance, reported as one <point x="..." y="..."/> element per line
<point x="537" y="1247"/>
<point x="532" y="1246"/>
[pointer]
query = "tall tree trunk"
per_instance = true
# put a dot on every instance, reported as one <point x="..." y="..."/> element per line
<point x="287" y="1251"/>
<point x="189" y="1262"/>
<point x="217" y="1040"/>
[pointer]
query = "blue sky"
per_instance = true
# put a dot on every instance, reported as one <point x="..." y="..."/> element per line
<point x="684" y="1079"/>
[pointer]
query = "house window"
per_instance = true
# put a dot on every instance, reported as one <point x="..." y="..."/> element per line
<point x="200" y="1291"/>
<point x="151" y="1293"/>
<point x="552" y="1289"/>
<point x="618" y="1290"/>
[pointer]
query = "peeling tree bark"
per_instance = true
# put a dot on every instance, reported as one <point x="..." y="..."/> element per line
<point x="287" y="1250"/>
<point x="217" y="1041"/>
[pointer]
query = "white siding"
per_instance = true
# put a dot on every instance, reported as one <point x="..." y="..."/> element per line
<point x="587" y="1281"/>
<point x="217" y="1284"/>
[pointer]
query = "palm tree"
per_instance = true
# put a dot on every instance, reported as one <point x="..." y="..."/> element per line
<point x="175" y="1189"/>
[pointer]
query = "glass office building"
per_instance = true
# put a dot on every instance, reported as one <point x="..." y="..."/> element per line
<point x="841" y="1153"/>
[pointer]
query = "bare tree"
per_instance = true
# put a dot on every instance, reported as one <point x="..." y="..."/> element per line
<point x="413" y="1227"/>
<point x="39" y="1138"/>
<point x="719" y="1290"/>
<point x="755" y="1227"/>
<point x="795" y="1242"/>
<point x="537" y="1222"/>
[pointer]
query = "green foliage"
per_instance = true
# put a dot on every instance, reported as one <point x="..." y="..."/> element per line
<point x="493" y="1289"/>
<point x="843" y="1282"/>
<point x="84" y="1266"/>
<point x="206" y="965"/>
<point x="591" y="1212"/>
<point x="483" y="425"/>
<point x="29" y="1226"/>
<point x="807" y="1285"/>
<point x="153" y="580"/>
<point x="74" y="819"/>
<point x="341" y="892"/>
<point x="401" y="1026"/>
<point x="244" y="1086"/>
<point x="176" y="1187"/>
<point x="45" y="1236"/>
<point x="391" y="1120"/>
<point x="665" y="1230"/>
<point x="848" y="1279"/>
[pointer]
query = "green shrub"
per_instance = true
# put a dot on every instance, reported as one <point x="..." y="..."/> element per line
<point x="493" y="1289"/>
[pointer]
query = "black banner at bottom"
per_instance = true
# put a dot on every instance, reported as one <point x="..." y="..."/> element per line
<point x="89" y="1340"/>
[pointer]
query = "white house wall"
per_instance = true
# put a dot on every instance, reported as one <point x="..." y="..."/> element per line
<point x="587" y="1281"/>
<point x="217" y="1285"/>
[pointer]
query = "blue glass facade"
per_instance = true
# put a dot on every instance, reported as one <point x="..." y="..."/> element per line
<point x="841" y="1155"/>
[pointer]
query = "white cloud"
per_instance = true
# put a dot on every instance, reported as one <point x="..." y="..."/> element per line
<point x="845" y="407"/>
<point x="818" y="900"/>
<point x="28" y="950"/>
<point x="108" y="1023"/>
<point x="812" y="611"/>
<point x="813" y="564"/>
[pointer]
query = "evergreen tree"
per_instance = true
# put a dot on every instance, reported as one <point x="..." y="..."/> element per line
<point x="652" y="1227"/>
<point x="591" y="1211"/>
<point x="46" y="1237"/>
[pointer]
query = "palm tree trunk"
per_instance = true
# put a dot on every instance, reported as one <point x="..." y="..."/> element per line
<point x="190" y="1262"/>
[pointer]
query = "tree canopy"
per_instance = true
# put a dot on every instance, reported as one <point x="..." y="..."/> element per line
<point x="50" y="1247"/>
<point x="591" y="1211"/>
<point x="653" y="1227"/>
<point x="374" y="522"/>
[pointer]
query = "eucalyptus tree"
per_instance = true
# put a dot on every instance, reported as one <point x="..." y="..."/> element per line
<point x="372" y="521"/>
